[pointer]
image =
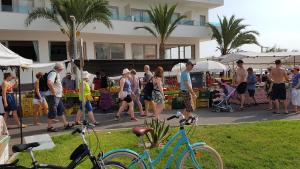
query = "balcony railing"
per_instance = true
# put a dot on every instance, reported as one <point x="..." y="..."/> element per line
<point x="147" y="20"/>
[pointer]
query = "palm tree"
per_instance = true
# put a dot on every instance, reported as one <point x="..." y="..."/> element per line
<point x="232" y="34"/>
<point x="85" y="12"/>
<point x="162" y="16"/>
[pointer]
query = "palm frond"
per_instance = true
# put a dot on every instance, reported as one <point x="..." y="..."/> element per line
<point x="147" y="29"/>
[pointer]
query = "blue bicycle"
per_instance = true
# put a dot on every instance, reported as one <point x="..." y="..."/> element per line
<point x="192" y="156"/>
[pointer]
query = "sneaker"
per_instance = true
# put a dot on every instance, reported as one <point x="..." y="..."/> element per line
<point x="96" y="123"/>
<point x="51" y="129"/>
<point x="117" y="118"/>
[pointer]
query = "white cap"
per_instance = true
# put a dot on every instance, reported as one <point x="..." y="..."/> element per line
<point x="59" y="65"/>
<point x="85" y="74"/>
<point x="125" y="71"/>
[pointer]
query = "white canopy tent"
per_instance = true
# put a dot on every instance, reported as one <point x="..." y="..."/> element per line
<point x="9" y="58"/>
<point x="211" y="66"/>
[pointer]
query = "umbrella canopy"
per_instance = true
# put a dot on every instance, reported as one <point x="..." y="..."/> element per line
<point x="179" y="67"/>
<point x="210" y="66"/>
<point x="10" y="58"/>
<point x="232" y="57"/>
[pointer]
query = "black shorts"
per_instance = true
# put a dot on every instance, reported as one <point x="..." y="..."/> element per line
<point x="242" y="88"/>
<point x="148" y="96"/>
<point x="278" y="91"/>
<point x="251" y="92"/>
<point x="127" y="99"/>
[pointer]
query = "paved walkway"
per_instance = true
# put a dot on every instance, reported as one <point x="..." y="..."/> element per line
<point x="251" y="114"/>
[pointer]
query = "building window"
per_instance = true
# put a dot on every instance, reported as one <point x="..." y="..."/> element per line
<point x="202" y="20"/>
<point x="58" y="51"/>
<point x="21" y="6"/>
<point x="114" y="12"/>
<point x="7" y="5"/>
<point x="112" y="51"/>
<point x="179" y="51"/>
<point x="143" y="51"/>
<point x="140" y="15"/>
<point x="26" y="49"/>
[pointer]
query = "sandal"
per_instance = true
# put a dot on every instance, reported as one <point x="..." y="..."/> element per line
<point x="133" y="119"/>
<point x="276" y="112"/>
<point x="77" y="123"/>
<point x="96" y="123"/>
<point x="51" y="129"/>
<point x="117" y="118"/>
<point x="68" y="126"/>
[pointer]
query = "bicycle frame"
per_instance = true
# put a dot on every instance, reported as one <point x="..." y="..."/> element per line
<point x="183" y="139"/>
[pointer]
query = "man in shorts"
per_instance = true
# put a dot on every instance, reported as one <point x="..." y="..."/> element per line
<point x="147" y="94"/>
<point x="278" y="77"/>
<point x="54" y="98"/>
<point x="241" y="75"/>
<point x="186" y="90"/>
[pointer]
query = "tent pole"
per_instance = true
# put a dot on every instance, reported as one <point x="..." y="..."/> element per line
<point x="20" y="103"/>
<point x="32" y="78"/>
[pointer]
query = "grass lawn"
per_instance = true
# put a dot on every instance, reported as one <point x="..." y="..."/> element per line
<point x="270" y="145"/>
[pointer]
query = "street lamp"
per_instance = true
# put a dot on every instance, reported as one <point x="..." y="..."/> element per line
<point x="73" y="19"/>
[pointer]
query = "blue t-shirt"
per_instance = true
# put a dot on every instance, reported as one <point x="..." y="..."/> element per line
<point x="185" y="76"/>
<point x="251" y="82"/>
<point x="295" y="80"/>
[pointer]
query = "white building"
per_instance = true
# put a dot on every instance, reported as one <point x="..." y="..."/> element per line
<point x="43" y="42"/>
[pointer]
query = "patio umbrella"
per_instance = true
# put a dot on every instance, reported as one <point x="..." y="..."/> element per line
<point x="209" y="65"/>
<point x="179" y="67"/>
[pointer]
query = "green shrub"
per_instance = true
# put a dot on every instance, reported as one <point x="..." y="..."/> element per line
<point x="159" y="133"/>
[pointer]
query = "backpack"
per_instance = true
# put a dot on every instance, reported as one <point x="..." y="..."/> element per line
<point x="149" y="87"/>
<point x="43" y="82"/>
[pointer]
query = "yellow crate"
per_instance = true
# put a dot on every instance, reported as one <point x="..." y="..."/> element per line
<point x="202" y="103"/>
<point x="168" y="106"/>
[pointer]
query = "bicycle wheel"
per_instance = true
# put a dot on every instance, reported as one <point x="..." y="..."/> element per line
<point x="127" y="159"/>
<point x="113" y="165"/>
<point x="206" y="157"/>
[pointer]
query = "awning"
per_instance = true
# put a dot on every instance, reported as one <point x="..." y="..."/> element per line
<point x="115" y="67"/>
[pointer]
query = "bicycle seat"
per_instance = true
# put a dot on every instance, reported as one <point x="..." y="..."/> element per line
<point x="23" y="147"/>
<point x="140" y="131"/>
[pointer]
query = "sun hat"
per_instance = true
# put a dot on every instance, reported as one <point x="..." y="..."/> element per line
<point x="59" y="66"/>
<point x="85" y="74"/>
<point x="125" y="71"/>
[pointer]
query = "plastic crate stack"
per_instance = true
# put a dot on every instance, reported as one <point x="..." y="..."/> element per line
<point x="203" y="99"/>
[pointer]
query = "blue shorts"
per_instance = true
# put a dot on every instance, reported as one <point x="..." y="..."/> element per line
<point x="88" y="106"/>
<point x="11" y="103"/>
<point x="55" y="107"/>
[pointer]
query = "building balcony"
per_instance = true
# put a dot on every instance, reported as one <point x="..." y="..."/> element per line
<point x="121" y="26"/>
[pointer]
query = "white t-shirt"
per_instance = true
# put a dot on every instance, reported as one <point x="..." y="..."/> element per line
<point x="56" y="83"/>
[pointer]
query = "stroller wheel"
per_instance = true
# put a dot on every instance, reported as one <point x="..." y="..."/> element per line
<point x="231" y="110"/>
<point x="218" y="110"/>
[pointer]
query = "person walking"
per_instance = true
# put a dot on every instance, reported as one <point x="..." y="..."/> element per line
<point x="158" y="95"/>
<point x="148" y="78"/>
<point x="68" y="83"/>
<point x="39" y="99"/>
<point x="279" y="77"/>
<point x="125" y="96"/>
<point x="268" y="87"/>
<point x="186" y="90"/>
<point x="8" y="98"/>
<point x="136" y="91"/>
<point x="87" y="94"/>
<point x="241" y="82"/>
<point x="296" y="90"/>
<point x="54" y="98"/>
<point x="251" y="84"/>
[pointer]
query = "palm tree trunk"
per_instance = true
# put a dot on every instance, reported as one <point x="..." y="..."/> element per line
<point x="161" y="50"/>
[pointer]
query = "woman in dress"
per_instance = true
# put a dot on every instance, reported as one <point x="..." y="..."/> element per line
<point x="39" y="99"/>
<point x="136" y="91"/>
<point x="158" y="92"/>
<point x="8" y="98"/>
<point x="125" y="96"/>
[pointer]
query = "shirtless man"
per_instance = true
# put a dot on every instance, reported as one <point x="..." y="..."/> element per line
<point x="279" y="77"/>
<point x="241" y="82"/>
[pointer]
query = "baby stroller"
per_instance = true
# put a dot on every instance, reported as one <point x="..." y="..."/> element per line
<point x="224" y="105"/>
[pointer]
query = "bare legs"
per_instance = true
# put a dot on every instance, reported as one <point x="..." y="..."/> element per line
<point x="285" y="102"/>
<point x="16" y="118"/>
<point x="63" y="119"/>
<point x="36" y="112"/>
<point x="147" y="105"/>
<point x="242" y="97"/>
<point x="90" y="116"/>
<point x="130" y="110"/>
<point x="158" y="108"/>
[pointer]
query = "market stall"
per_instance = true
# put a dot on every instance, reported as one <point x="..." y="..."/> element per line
<point x="10" y="59"/>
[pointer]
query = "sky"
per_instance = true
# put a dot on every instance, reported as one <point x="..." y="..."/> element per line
<point x="277" y="21"/>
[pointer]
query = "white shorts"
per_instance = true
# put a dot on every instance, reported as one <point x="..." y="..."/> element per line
<point x="38" y="101"/>
<point x="296" y="97"/>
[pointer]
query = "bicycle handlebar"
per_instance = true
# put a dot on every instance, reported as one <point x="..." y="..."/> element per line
<point x="84" y="124"/>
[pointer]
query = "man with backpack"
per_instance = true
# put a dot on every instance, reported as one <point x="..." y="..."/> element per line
<point x="54" y="97"/>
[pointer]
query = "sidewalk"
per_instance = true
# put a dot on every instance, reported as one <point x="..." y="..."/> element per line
<point x="251" y="114"/>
